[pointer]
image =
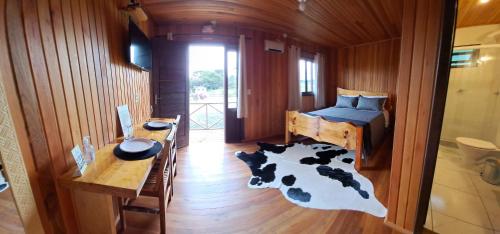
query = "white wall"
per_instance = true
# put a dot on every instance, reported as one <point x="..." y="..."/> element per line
<point x="473" y="105"/>
<point x="485" y="34"/>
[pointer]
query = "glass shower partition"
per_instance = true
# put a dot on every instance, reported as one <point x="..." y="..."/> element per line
<point x="473" y="99"/>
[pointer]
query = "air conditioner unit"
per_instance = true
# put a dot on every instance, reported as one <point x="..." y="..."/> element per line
<point x="274" y="46"/>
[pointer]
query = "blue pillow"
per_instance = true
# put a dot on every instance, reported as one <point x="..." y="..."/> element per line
<point x="346" y="102"/>
<point x="372" y="103"/>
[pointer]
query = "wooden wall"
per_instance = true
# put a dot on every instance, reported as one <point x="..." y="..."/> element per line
<point x="370" y="67"/>
<point x="268" y="82"/>
<point x="267" y="73"/>
<point x="420" y="42"/>
<point x="70" y="73"/>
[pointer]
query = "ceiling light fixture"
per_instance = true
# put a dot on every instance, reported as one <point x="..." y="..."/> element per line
<point x="134" y="8"/>
<point x="485" y="58"/>
<point x="302" y="5"/>
<point x="209" y="28"/>
<point x="484" y="1"/>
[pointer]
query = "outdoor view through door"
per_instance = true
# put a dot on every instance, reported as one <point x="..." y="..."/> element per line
<point x="212" y="90"/>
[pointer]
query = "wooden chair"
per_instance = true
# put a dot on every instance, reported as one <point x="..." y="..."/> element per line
<point x="158" y="183"/>
<point x="173" y="160"/>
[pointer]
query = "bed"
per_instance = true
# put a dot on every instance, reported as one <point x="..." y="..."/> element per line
<point x="352" y="129"/>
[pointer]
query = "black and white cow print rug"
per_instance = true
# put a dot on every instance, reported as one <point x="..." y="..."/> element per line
<point x="317" y="176"/>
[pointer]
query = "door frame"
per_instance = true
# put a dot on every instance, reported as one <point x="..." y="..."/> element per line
<point x="437" y="110"/>
<point x="198" y="43"/>
<point x="239" y="122"/>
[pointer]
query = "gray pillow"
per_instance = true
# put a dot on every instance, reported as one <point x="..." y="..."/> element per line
<point x="372" y="103"/>
<point x="346" y="102"/>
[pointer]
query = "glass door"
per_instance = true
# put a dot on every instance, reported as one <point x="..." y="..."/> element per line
<point x="233" y="125"/>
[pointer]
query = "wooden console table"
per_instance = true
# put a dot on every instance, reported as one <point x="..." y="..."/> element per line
<point x="108" y="177"/>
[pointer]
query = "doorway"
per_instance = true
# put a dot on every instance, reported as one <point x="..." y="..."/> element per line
<point x="463" y="198"/>
<point x="212" y="74"/>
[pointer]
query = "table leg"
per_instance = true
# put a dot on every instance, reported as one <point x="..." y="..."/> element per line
<point x="121" y="203"/>
<point x="94" y="212"/>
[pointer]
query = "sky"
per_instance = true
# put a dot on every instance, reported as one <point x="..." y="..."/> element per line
<point x="202" y="57"/>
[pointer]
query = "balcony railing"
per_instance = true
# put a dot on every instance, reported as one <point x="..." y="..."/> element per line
<point x="206" y="116"/>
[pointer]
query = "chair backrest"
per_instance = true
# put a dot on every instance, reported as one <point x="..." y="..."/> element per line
<point x="169" y="147"/>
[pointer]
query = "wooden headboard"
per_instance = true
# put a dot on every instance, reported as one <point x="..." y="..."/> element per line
<point x="341" y="91"/>
<point x="388" y="103"/>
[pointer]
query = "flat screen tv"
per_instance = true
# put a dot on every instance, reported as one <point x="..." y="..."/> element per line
<point x="139" y="50"/>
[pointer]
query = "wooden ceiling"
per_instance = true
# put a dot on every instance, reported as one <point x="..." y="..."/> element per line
<point x="473" y="13"/>
<point x="325" y="22"/>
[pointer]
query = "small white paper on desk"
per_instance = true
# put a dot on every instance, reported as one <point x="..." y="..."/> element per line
<point x="80" y="161"/>
<point x="125" y="121"/>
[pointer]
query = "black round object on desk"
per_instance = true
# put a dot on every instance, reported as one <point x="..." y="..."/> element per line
<point x="119" y="153"/>
<point x="147" y="127"/>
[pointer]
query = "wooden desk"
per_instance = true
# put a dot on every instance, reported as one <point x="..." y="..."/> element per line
<point x="106" y="177"/>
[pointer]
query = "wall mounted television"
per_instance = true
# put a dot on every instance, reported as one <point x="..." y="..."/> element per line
<point x="139" y="47"/>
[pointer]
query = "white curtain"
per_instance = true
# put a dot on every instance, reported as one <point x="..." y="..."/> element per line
<point x="294" y="95"/>
<point x="242" y="108"/>
<point x="319" y="81"/>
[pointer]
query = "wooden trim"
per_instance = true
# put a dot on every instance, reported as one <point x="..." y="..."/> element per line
<point x="405" y="66"/>
<point x="396" y="227"/>
<point x="359" y="149"/>
<point x="420" y="51"/>
<point x="228" y="32"/>
<point x="437" y="110"/>
<point x="371" y="42"/>
<point x="288" y="135"/>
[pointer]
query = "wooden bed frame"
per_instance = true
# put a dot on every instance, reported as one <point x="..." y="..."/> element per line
<point x="343" y="134"/>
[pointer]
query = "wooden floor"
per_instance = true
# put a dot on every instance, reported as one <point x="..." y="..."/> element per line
<point x="211" y="196"/>
<point x="10" y="222"/>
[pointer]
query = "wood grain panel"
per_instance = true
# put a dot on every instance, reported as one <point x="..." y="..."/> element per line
<point x="369" y="67"/>
<point x="95" y="99"/>
<point x="330" y="23"/>
<point x="70" y="73"/>
<point x="473" y="13"/>
<point x="102" y="70"/>
<point x="65" y="70"/>
<point x="51" y="116"/>
<point x="417" y="74"/>
<point x="268" y="82"/>
<point x="82" y="63"/>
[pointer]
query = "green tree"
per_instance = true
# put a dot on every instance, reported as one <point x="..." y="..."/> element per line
<point x="211" y="80"/>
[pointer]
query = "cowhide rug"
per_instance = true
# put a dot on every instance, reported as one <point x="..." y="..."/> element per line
<point x="317" y="176"/>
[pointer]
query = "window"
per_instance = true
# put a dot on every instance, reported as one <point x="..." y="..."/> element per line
<point x="464" y="58"/>
<point x="306" y="76"/>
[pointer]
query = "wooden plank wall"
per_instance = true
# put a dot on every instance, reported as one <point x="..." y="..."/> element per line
<point x="417" y="74"/>
<point x="69" y="69"/>
<point x="15" y="152"/>
<point x="267" y="73"/>
<point x="268" y="82"/>
<point x="370" y="67"/>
